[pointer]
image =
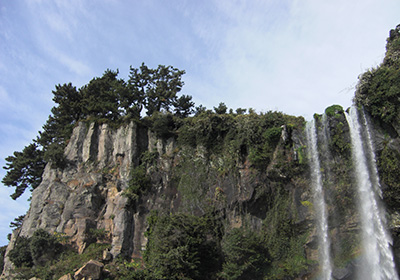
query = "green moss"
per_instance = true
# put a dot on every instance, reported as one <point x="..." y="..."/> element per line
<point x="300" y="154"/>
<point x="138" y="184"/>
<point x="317" y="117"/>
<point x="307" y="203"/>
<point x="334" y="110"/>
<point x="349" y="245"/>
<point x="378" y="89"/>
<point x="339" y="144"/>
<point x="285" y="243"/>
<point x="194" y="178"/>
<point x="389" y="166"/>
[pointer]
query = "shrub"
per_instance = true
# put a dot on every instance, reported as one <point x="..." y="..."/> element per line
<point x="164" y="124"/>
<point x="333" y="110"/>
<point x="181" y="247"/>
<point x="2" y="253"/>
<point x="43" y="247"/>
<point x="246" y="256"/>
<point x="138" y="183"/>
<point x="21" y="254"/>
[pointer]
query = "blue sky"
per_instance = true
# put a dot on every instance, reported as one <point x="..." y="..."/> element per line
<point x="294" y="56"/>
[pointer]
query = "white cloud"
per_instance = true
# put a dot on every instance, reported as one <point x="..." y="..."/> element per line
<point x="295" y="56"/>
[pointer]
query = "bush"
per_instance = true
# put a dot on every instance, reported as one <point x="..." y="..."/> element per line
<point x="181" y="247"/>
<point x="246" y="256"/>
<point x="262" y="154"/>
<point x="164" y="124"/>
<point x="43" y="246"/>
<point x="2" y="253"/>
<point x="21" y="254"/>
<point x="36" y="250"/>
<point x="138" y="183"/>
<point x="333" y="110"/>
<point x="378" y="88"/>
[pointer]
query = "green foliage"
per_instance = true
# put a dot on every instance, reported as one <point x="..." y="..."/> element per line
<point x="378" y="92"/>
<point x="246" y="256"/>
<point x="105" y="98"/>
<point x="254" y="134"/>
<point x="125" y="270"/>
<point x="193" y="176"/>
<point x="98" y="234"/>
<point x="183" y="106"/>
<point x="389" y="166"/>
<point x="164" y="124"/>
<point x="221" y="109"/>
<point x="149" y="157"/>
<point x="138" y="183"/>
<point x="283" y="240"/>
<point x="378" y="89"/>
<point x="69" y="260"/>
<point x="2" y="254"/>
<point x="333" y="110"/>
<point x="58" y="127"/>
<point x="24" y="170"/>
<point x="100" y="98"/>
<point x="17" y="222"/>
<point x="339" y="143"/>
<point x="36" y="250"/>
<point x="261" y="155"/>
<point x="207" y="129"/>
<point x="43" y="247"/>
<point x="300" y="154"/>
<point x="182" y="246"/>
<point x="21" y="254"/>
<point x="66" y="261"/>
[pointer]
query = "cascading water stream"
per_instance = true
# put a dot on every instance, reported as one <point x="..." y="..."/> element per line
<point x="377" y="256"/>
<point x="319" y="202"/>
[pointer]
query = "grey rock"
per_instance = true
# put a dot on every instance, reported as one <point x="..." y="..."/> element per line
<point x="91" y="270"/>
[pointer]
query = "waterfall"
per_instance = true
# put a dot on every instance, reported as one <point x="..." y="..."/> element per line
<point x="319" y="201"/>
<point x="377" y="260"/>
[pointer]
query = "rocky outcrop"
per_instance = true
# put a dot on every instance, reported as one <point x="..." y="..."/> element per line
<point x="91" y="270"/>
<point x="66" y="277"/>
<point x="87" y="194"/>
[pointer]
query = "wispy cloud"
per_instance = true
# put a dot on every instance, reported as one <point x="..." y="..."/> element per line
<point x="294" y="56"/>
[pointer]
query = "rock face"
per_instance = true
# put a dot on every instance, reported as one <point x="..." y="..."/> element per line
<point x="88" y="194"/>
<point x="79" y="197"/>
<point x="66" y="277"/>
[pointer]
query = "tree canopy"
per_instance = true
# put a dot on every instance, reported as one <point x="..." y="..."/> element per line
<point x="105" y="98"/>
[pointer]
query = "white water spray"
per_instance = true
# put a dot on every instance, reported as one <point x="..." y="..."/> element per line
<point x="378" y="261"/>
<point x="319" y="202"/>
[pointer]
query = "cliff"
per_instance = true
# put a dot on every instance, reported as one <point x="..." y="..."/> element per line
<point x="222" y="196"/>
<point x="89" y="193"/>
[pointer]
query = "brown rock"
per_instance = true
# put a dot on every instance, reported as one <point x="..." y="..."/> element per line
<point x="66" y="277"/>
<point x="91" y="270"/>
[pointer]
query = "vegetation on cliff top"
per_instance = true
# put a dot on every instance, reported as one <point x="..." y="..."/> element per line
<point x="105" y="98"/>
<point x="113" y="100"/>
<point x="378" y="89"/>
<point x="378" y="92"/>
